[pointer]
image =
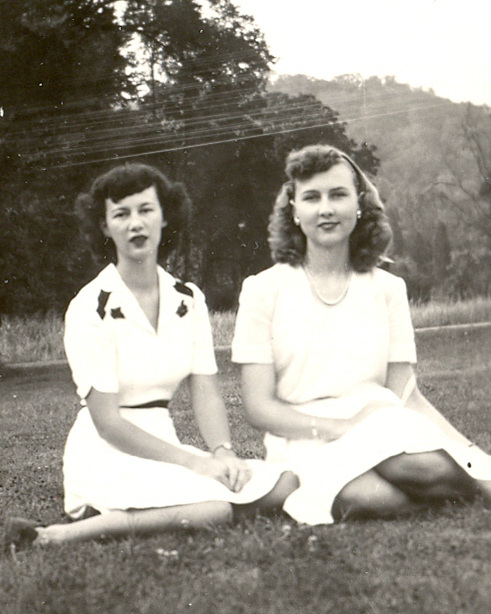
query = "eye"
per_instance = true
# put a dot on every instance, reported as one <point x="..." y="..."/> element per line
<point x="310" y="197"/>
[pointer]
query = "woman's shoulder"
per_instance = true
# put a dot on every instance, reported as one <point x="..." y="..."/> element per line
<point x="388" y="283"/>
<point x="386" y="279"/>
<point x="263" y="289"/>
<point x="97" y="289"/>
<point x="272" y="276"/>
<point x="93" y="300"/>
<point x="185" y="288"/>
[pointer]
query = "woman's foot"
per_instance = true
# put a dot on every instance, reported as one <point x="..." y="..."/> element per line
<point x="19" y="533"/>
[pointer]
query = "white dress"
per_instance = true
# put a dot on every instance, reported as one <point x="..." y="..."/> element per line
<point x="112" y="348"/>
<point x="332" y="361"/>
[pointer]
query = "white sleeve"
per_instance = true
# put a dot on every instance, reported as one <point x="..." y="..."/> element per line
<point x="252" y="341"/>
<point x="402" y="347"/>
<point x="203" y="362"/>
<point x="90" y="352"/>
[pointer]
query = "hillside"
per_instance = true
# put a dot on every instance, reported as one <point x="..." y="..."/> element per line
<point x="399" y="120"/>
<point x="435" y="157"/>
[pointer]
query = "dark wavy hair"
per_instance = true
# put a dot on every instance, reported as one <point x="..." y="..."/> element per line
<point x="125" y="180"/>
<point x="372" y="233"/>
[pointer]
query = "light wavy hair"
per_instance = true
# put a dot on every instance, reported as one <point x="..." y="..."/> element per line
<point x="372" y="233"/>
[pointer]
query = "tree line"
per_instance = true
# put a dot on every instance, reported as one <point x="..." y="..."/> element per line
<point x="86" y="84"/>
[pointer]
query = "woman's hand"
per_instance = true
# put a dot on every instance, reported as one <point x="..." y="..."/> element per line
<point x="330" y="429"/>
<point x="363" y="414"/>
<point x="238" y="470"/>
<point x="224" y="467"/>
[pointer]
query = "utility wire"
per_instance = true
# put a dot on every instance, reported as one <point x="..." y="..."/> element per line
<point x="228" y="140"/>
<point x="280" y="111"/>
<point x="206" y="131"/>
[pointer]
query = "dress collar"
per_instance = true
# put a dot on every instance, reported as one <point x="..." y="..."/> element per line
<point x="122" y="298"/>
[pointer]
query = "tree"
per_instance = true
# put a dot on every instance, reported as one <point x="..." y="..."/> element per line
<point x="398" y="246"/>
<point x="75" y="104"/>
<point x="60" y="67"/>
<point x="51" y="50"/>
<point x="208" y="44"/>
<point x="442" y="254"/>
<point x="466" y="185"/>
<point x="194" y="103"/>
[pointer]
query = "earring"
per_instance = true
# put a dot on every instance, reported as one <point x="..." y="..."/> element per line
<point x="359" y="213"/>
<point x="296" y="220"/>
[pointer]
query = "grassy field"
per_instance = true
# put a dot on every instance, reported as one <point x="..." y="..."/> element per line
<point x="41" y="338"/>
<point x="430" y="563"/>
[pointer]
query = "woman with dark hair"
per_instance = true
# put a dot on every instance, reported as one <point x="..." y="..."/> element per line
<point x="327" y="351"/>
<point x="132" y="335"/>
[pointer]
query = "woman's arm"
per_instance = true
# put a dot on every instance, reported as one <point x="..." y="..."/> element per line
<point x="399" y="375"/>
<point x="266" y="412"/>
<point x="209" y="410"/>
<point x="129" y="438"/>
<point x="211" y="416"/>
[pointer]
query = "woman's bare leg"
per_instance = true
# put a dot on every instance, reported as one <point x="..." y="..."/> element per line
<point x="428" y="475"/>
<point x="137" y="522"/>
<point x="274" y="499"/>
<point x="371" y="496"/>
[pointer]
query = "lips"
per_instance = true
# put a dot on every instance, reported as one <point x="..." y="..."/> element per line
<point x="328" y="225"/>
<point x="139" y="240"/>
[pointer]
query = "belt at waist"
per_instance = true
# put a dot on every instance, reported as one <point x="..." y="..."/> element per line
<point x="148" y="404"/>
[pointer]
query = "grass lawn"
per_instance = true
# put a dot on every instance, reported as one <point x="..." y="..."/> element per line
<point x="430" y="563"/>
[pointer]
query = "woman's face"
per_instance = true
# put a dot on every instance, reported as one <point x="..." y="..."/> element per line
<point x="135" y="225"/>
<point x="327" y="205"/>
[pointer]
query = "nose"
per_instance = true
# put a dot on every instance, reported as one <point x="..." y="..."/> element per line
<point x="325" y="205"/>
<point x="135" y="220"/>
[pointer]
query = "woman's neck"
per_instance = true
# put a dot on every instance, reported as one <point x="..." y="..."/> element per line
<point x="138" y="276"/>
<point x="322" y="261"/>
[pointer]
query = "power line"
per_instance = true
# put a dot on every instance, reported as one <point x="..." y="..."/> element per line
<point x="204" y="124"/>
<point x="112" y="135"/>
<point x="232" y="139"/>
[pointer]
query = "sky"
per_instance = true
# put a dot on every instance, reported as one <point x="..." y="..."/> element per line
<point x="444" y="45"/>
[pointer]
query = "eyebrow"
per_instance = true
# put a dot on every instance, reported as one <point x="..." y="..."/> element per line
<point x="316" y="191"/>
<point x="119" y="205"/>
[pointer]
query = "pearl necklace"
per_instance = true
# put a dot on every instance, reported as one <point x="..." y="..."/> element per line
<point x="329" y="303"/>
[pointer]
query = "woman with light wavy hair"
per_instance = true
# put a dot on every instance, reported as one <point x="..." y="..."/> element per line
<point x="327" y="351"/>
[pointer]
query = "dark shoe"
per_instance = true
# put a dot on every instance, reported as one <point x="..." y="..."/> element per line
<point x="19" y="533"/>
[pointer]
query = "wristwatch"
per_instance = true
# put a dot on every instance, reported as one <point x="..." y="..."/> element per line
<point x="226" y="445"/>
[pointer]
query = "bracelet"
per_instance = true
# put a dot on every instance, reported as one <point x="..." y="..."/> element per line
<point x="313" y="428"/>
<point x="226" y="445"/>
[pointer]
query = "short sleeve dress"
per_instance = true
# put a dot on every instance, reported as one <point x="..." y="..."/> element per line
<point x="111" y="347"/>
<point x="332" y="361"/>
